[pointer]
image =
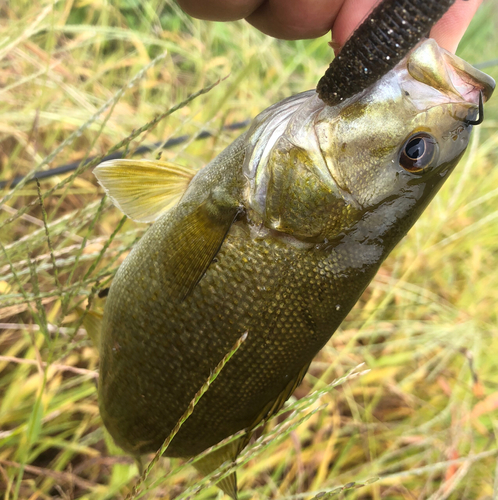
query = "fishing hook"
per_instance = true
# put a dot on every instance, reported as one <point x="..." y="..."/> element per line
<point x="481" y="113"/>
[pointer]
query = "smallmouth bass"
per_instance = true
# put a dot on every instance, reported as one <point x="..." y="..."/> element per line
<point x="278" y="236"/>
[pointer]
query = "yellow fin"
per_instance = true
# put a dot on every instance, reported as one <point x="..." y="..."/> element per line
<point x="193" y="243"/>
<point x="213" y="460"/>
<point x="92" y="322"/>
<point x="143" y="189"/>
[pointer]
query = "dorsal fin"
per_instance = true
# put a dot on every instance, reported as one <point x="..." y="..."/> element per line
<point x="143" y="189"/>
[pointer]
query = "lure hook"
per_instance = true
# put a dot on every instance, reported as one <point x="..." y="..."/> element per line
<point x="481" y="113"/>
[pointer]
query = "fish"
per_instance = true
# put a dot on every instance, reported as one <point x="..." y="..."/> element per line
<point x="278" y="237"/>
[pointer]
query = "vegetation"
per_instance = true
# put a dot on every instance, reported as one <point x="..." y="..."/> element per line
<point x="418" y="420"/>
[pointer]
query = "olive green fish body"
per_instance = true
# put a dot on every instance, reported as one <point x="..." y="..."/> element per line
<point x="277" y="237"/>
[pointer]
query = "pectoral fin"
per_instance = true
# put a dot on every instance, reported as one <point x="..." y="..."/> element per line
<point x="194" y="243"/>
<point x="143" y="189"/>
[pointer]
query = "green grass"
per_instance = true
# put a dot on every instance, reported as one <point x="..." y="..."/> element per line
<point x="421" y="423"/>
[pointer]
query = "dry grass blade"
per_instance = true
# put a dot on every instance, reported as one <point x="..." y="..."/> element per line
<point x="61" y="477"/>
<point x="54" y="366"/>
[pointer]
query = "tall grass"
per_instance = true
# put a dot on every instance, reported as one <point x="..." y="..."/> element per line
<point x="78" y="78"/>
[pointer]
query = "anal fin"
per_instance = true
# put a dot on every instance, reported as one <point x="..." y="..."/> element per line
<point x="276" y="405"/>
<point x="215" y="459"/>
<point x="230" y="451"/>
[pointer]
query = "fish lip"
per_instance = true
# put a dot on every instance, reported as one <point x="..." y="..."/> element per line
<point x="454" y="79"/>
<point x="481" y="81"/>
<point x="471" y="109"/>
<point x="449" y="74"/>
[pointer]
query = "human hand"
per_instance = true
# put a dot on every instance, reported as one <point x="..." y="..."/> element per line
<point x="298" y="19"/>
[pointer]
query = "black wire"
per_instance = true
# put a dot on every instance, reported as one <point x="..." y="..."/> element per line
<point x="69" y="167"/>
<point x="486" y="64"/>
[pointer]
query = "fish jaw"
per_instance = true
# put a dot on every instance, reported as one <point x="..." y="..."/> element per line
<point x="435" y="66"/>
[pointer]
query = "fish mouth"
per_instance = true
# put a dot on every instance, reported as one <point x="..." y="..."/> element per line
<point x="469" y="82"/>
<point x="452" y="76"/>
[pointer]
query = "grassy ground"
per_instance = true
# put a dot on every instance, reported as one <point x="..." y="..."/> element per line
<point x="79" y="77"/>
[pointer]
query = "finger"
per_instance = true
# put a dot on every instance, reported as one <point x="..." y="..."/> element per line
<point x="449" y="30"/>
<point x="219" y="10"/>
<point x="352" y="13"/>
<point x="295" y="19"/>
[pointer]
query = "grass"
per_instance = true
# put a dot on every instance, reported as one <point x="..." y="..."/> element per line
<point x="421" y="420"/>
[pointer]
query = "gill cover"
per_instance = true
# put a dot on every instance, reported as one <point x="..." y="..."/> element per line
<point x="287" y="175"/>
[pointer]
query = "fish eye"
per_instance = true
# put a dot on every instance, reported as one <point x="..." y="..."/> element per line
<point x="418" y="152"/>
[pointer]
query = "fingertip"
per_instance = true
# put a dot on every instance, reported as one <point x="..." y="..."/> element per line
<point x="449" y="30"/>
<point x="349" y="18"/>
<point x="295" y="19"/>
